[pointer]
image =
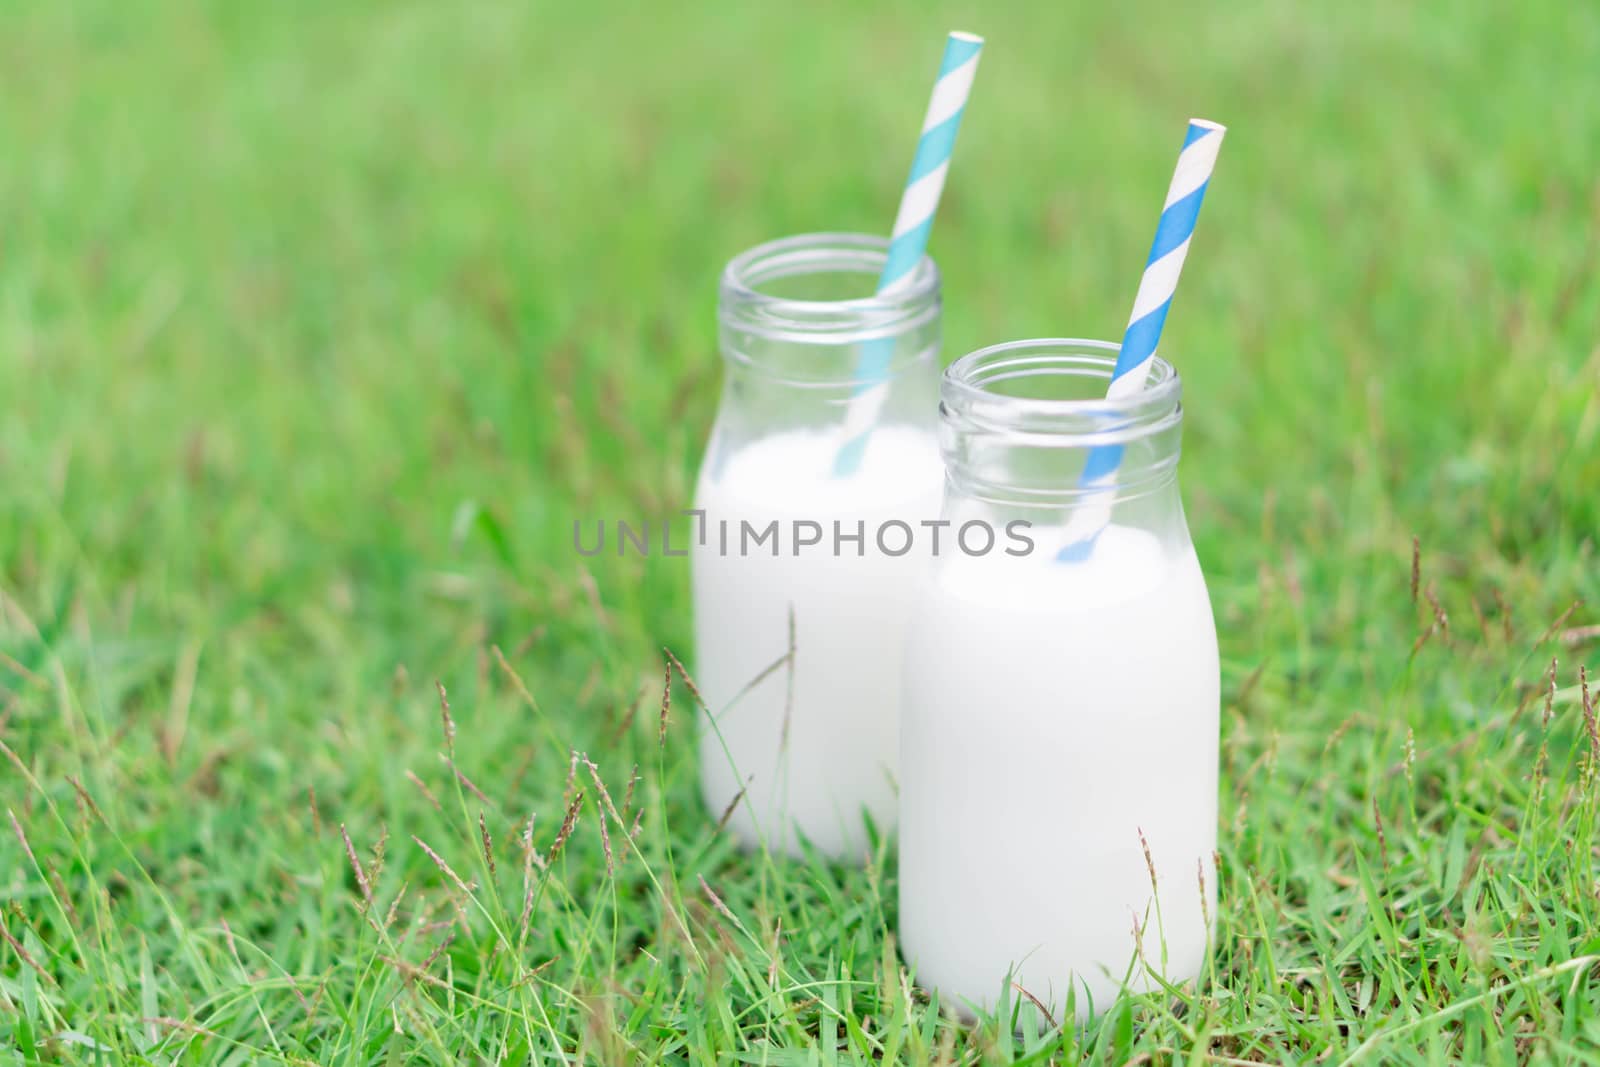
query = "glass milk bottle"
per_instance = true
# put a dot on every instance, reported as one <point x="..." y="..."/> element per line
<point x="823" y="457"/>
<point x="1062" y="694"/>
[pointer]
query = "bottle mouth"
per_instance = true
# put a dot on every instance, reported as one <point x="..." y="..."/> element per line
<point x="818" y="288"/>
<point x="1053" y="392"/>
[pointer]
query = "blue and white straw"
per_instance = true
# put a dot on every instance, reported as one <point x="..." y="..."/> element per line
<point x="1167" y="252"/>
<point x="909" y="239"/>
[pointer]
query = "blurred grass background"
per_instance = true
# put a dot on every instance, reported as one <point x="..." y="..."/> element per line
<point x="320" y="323"/>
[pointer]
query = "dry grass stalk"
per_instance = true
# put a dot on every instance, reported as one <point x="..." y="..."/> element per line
<point x="394" y="906"/>
<point x="607" y="808"/>
<point x="572" y="779"/>
<point x="716" y="901"/>
<point x="630" y="712"/>
<point x="180" y="1024"/>
<point x="1589" y="723"/>
<point x="25" y="956"/>
<point x="605" y="846"/>
<point x="444" y="943"/>
<point x="666" y="705"/>
<point x="360" y="872"/>
<point x="1578" y="635"/>
<point x="444" y="715"/>
<point x="64" y="896"/>
<point x="727" y="812"/>
<point x="533" y="637"/>
<point x="380" y="852"/>
<point x="1550" y="694"/>
<point x="22" y="838"/>
<point x="627" y="796"/>
<point x="423" y="788"/>
<point x="488" y="843"/>
<point x="1138" y="938"/>
<point x="410" y="972"/>
<point x="683" y="673"/>
<point x="1422" y="638"/>
<point x="1561" y="620"/>
<point x="311" y="1009"/>
<point x="775" y="954"/>
<point x="464" y="780"/>
<point x="1440" y="618"/>
<point x="23" y="671"/>
<point x="1037" y="1003"/>
<point x="1416" y="566"/>
<point x="530" y="857"/>
<point x="568" y="821"/>
<point x="515" y="678"/>
<point x="438" y="861"/>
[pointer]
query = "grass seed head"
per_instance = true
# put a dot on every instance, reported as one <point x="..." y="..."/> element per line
<point x="727" y="812"/>
<point x="1416" y="566"/>
<point x="22" y="838"/>
<point x="666" y="706"/>
<point x="1589" y="723"/>
<point x="355" y="865"/>
<point x="464" y="780"/>
<point x="422" y="787"/>
<point x="716" y="901"/>
<point x="1440" y="618"/>
<point x="1550" y="694"/>
<point x="568" y="821"/>
<point x="438" y="861"/>
<point x="488" y="843"/>
<point x="444" y="716"/>
<point x="85" y="800"/>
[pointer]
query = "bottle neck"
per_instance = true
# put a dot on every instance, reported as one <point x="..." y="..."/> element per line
<point x="803" y="336"/>
<point x="1027" y="432"/>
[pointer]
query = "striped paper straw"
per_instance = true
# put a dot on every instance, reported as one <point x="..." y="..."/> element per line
<point x="1167" y="252"/>
<point x="909" y="239"/>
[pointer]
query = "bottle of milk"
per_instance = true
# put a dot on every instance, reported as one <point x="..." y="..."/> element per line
<point x="1058" y="767"/>
<point x="803" y="574"/>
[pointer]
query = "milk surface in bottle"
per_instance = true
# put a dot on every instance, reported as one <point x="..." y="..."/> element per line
<point x="1060" y="717"/>
<point x="792" y="552"/>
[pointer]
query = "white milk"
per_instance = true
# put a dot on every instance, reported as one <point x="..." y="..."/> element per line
<point x="837" y="755"/>
<point x="1053" y="711"/>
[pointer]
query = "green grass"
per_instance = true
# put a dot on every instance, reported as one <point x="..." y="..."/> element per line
<point x="321" y="322"/>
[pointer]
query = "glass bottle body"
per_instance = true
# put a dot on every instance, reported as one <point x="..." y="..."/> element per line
<point x="1059" y="743"/>
<point x="799" y="616"/>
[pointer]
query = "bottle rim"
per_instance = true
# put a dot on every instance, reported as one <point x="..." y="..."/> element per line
<point x="745" y="305"/>
<point x="981" y="393"/>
